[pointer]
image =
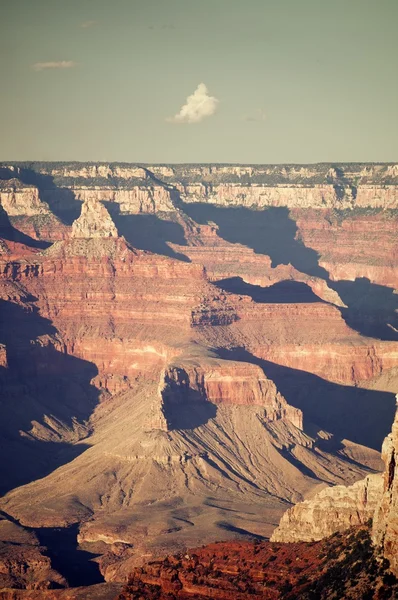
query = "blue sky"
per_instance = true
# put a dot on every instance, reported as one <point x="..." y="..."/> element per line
<point x="282" y="80"/>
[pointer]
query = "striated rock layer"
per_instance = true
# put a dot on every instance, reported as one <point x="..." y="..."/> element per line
<point x="151" y="403"/>
<point x="333" y="509"/>
<point x="341" y="211"/>
<point x="342" y="566"/>
<point x="161" y="434"/>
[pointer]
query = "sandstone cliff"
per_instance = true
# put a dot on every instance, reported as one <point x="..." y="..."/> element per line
<point x="333" y="509"/>
<point x="94" y="222"/>
<point x="225" y="382"/>
<point x="338" y="508"/>
<point x="18" y="199"/>
<point x="385" y="521"/>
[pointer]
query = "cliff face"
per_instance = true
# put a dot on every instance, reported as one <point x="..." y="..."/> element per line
<point x="292" y="196"/>
<point x="338" y="508"/>
<point x="332" y="509"/>
<point x="385" y="522"/>
<point x="223" y="383"/>
<point x="18" y="199"/>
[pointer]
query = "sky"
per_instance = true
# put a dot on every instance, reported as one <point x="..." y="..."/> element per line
<point x="230" y="81"/>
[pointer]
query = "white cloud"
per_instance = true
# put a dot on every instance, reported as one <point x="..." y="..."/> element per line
<point x="197" y="107"/>
<point x="88" y="24"/>
<point x="61" y="64"/>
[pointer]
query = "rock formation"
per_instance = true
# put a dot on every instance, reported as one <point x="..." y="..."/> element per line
<point x="178" y="345"/>
<point x="94" y="222"/>
<point x="24" y="564"/>
<point x="341" y="566"/>
<point x="223" y="383"/>
<point x="338" y="508"/>
<point x="18" y="199"/>
<point x="385" y="520"/>
<point x="333" y="509"/>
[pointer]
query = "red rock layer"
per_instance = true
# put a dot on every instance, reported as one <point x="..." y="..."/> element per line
<point x="226" y="382"/>
<point x="352" y="244"/>
<point x="343" y="566"/>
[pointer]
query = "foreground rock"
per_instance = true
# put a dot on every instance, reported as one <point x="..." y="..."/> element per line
<point x="342" y="566"/>
<point x="24" y="564"/>
<point x="337" y="508"/>
<point x="333" y="509"/>
<point x="385" y="522"/>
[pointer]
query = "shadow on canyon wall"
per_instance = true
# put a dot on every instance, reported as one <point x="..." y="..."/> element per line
<point x="60" y="545"/>
<point x="9" y="233"/>
<point x="271" y="231"/>
<point x="371" y="308"/>
<point x="61" y="201"/>
<point x="46" y="399"/>
<point x="285" y="292"/>
<point x="184" y="407"/>
<point x="149" y="232"/>
<point x="362" y="416"/>
<point x="75" y="564"/>
<point x="190" y="416"/>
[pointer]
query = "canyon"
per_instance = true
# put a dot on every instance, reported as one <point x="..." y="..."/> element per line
<point x="186" y="352"/>
<point x="342" y="543"/>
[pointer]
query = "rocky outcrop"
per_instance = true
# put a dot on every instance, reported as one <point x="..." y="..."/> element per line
<point x="18" y="199"/>
<point x="333" y="509"/>
<point x="338" y="508"/>
<point x="385" y="523"/>
<point x="223" y="383"/>
<point x="342" y="566"/>
<point x="24" y="564"/>
<point x="94" y="222"/>
<point x="27" y="567"/>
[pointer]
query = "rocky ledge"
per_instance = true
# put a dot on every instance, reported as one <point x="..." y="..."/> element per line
<point x="339" y="507"/>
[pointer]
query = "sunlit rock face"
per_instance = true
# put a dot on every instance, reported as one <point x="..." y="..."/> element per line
<point x="333" y="509"/>
<point x="94" y="222"/>
<point x="385" y="524"/>
<point x="375" y="498"/>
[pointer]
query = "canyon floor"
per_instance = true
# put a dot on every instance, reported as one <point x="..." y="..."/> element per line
<point x="186" y="352"/>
